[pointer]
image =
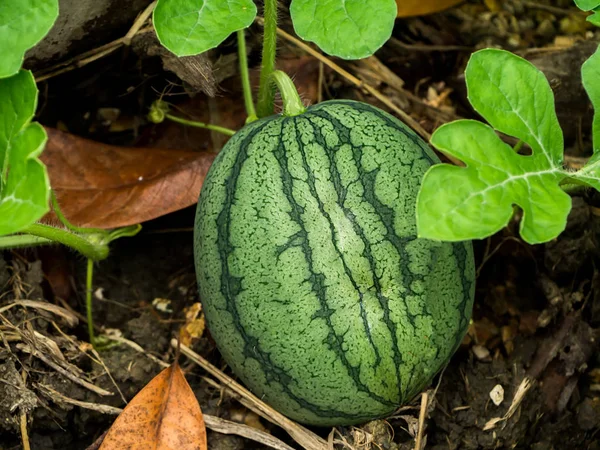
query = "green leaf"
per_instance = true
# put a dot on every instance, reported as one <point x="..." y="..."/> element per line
<point x="349" y="29"/>
<point x="473" y="202"/>
<point x="190" y="27"/>
<point x="23" y="23"/>
<point x="590" y="74"/>
<point x="24" y="185"/>
<point x="594" y="18"/>
<point x="516" y="99"/>
<point x="587" y="5"/>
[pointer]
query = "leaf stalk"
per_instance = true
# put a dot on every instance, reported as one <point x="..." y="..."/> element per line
<point x="93" y="246"/>
<point x="245" y="76"/>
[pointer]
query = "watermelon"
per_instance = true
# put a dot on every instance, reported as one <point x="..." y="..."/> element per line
<point x="315" y="286"/>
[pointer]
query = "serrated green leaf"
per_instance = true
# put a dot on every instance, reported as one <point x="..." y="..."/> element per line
<point x="594" y="19"/>
<point x="515" y="98"/>
<point x="24" y="185"/>
<point x="587" y="5"/>
<point x="190" y="27"/>
<point x="349" y="29"/>
<point x="590" y="74"/>
<point x="473" y="202"/>
<point x="23" y="23"/>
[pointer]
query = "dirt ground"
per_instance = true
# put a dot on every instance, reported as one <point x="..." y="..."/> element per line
<point x="533" y="343"/>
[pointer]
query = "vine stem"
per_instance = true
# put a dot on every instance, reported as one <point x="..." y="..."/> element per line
<point x="68" y="225"/>
<point x="245" y="76"/>
<point x="84" y="245"/>
<point x="21" y="240"/>
<point x="574" y="188"/>
<point x="292" y="104"/>
<point x="88" y="301"/>
<point x="266" y="94"/>
<point x="193" y="123"/>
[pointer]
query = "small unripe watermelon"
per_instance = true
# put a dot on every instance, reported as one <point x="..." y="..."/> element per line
<point x="315" y="287"/>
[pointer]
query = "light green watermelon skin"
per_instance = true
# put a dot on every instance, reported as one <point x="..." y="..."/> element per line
<point x="314" y="285"/>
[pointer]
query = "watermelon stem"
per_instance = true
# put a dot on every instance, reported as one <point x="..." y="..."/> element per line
<point x="22" y="241"/>
<point x="159" y="111"/>
<point x="92" y="246"/>
<point x="266" y="93"/>
<point x="243" y="57"/>
<point x="193" y="123"/>
<point x="89" y="278"/>
<point x="292" y="104"/>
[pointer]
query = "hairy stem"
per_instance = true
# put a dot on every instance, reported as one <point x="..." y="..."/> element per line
<point x="193" y="123"/>
<point x="266" y="94"/>
<point x="292" y="104"/>
<point x="243" y="57"/>
<point x="84" y="245"/>
<point x="22" y="240"/>
<point x="68" y="225"/>
<point x="574" y="189"/>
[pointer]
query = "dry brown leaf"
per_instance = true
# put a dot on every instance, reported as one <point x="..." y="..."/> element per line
<point x="165" y="415"/>
<point x="194" y="324"/>
<point x="104" y="186"/>
<point x="408" y="8"/>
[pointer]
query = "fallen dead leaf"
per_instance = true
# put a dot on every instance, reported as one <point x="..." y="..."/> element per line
<point x="194" y="324"/>
<point x="408" y="8"/>
<point x="247" y="417"/>
<point x="165" y="415"/>
<point x="104" y="186"/>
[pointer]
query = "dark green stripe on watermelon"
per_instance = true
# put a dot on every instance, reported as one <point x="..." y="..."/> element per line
<point x="314" y="285"/>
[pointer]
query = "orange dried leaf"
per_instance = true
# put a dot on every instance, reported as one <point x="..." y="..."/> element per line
<point x="104" y="186"/>
<point x="165" y="415"/>
<point x="408" y="8"/>
<point x="194" y="324"/>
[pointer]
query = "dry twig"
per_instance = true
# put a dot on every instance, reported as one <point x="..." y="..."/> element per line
<point x="74" y="378"/>
<point x="70" y="318"/>
<point x="227" y="427"/>
<point x="419" y="444"/>
<point x="304" y="437"/>
<point x="57" y="397"/>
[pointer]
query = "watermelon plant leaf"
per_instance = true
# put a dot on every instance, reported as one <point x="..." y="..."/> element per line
<point x="24" y="185"/>
<point x="587" y="5"/>
<point x="590" y="74"/>
<point x="349" y="29"/>
<point x="190" y="27"/>
<point x="23" y="23"/>
<point x="594" y="7"/>
<point x="515" y="98"/>
<point x="472" y="202"/>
